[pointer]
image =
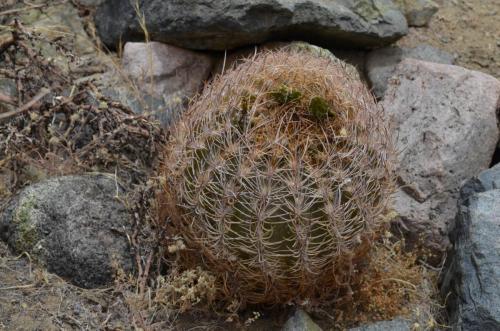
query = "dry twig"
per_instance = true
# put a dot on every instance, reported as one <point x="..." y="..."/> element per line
<point x="26" y="107"/>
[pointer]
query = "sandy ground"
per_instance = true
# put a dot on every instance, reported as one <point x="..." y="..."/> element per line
<point x="468" y="29"/>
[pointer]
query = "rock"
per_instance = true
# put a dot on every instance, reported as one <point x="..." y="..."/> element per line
<point x="356" y="58"/>
<point x="418" y="12"/>
<point x="394" y="325"/>
<point x="487" y="180"/>
<point x="60" y="22"/>
<point x="227" y="24"/>
<point x="381" y="64"/>
<point x="74" y="225"/>
<point x="167" y="73"/>
<point x="446" y="130"/>
<point x="472" y="272"/>
<point x="300" y="321"/>
<point x="115" y="85"/>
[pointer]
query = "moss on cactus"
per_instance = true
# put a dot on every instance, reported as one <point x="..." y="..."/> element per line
<point x="27" y="233"/>
<point x="283" y="95"/>
<point x="280" y="206"/>
<point x="320" y="108"/>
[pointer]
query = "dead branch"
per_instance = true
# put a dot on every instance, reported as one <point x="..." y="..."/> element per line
<point x="43" y="92"/>
<point x="18" y="10"/>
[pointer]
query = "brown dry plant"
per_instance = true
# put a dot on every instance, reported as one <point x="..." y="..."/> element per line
<point x="66" y="126"/>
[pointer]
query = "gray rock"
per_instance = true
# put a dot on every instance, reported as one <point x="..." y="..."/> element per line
<point x="394" y="325"/>
<point x="74" y="225"/>
<point x="472" y="273"/>
<point x="167" y="73"/>
<point x="418" y="12"/>
<point x="381" y="63"/>
<point x="446" y="131"/>
<point x="485" y="181"/>
<point x="61" y="22"/>
<point x="227" y="24"/>
<point x="115" y="85"/>
<point x="356" y="58"/>
<point x="300" y="321"/>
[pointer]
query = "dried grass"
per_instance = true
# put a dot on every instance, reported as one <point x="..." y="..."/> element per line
<point x="71" y="127"/>
<point x="393" y="284"/>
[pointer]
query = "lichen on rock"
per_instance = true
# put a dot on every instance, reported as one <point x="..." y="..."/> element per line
<point x="27" y="235"/>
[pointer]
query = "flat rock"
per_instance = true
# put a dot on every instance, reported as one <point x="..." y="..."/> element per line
<point x="446" y="130"/>
<point x="60" y="22"/>
<point x="227" y="24"/>
<point x="472" y="272"/>
<point x="381" y="63"/>
<point x="167" y="73"/>
<point x="74" y="225"/>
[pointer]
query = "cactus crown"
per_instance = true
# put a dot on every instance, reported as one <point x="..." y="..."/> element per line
<point x="279" y="174"/>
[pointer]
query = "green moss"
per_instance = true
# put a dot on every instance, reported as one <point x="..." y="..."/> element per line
<point x="320" y="108"/>
<point x="284" y="94"/>
<point x="27" y="234"/>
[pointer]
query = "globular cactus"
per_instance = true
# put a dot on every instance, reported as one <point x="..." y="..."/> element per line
<point x="278" y="176"/>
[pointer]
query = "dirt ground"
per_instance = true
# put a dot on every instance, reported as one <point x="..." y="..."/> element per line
<point x="33" y="299"/>
<point x="467" y="29"/>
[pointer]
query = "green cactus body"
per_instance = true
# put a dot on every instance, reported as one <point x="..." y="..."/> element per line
<point x="278" y="203"/>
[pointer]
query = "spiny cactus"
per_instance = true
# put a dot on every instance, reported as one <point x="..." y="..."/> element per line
<point x="278" y="176"/>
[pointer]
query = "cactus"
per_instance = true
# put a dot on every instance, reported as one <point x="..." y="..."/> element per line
<point x="278" y="176"/>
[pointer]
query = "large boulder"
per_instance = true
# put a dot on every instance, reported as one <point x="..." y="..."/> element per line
<point x="227" y="24"/>
<point x="166" y="72"/>
<point x="381" y="63"/>
<point x="446" y="131"/>
<point x="75" y="226"/>
<point x="472" y="272"/>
